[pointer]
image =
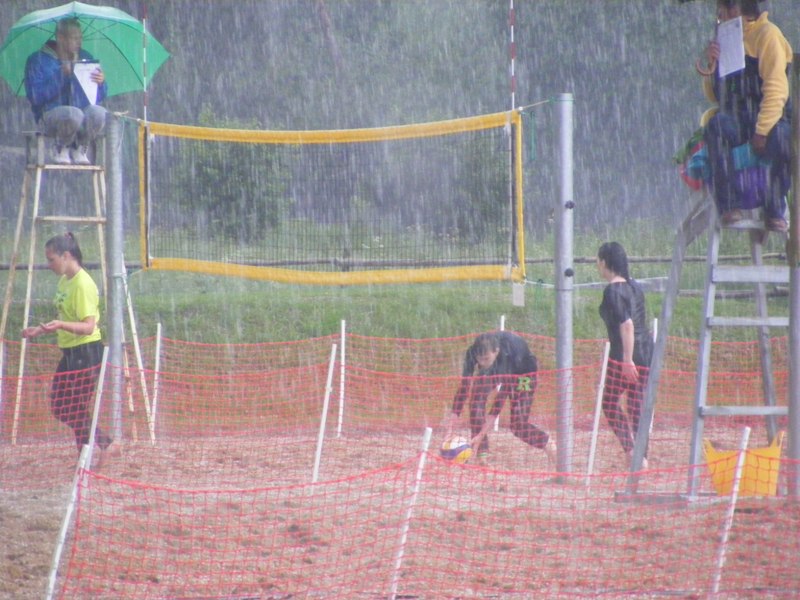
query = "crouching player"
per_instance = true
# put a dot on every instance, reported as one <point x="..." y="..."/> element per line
<point x="500" y="365"/>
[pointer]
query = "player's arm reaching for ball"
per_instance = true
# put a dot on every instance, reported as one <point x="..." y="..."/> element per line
<point x="463" y="392"/>
<point x="495" y="400"/>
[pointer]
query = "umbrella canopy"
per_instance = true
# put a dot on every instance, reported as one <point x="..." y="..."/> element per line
<point x="112" y="36"/>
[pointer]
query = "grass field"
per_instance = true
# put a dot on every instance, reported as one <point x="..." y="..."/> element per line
<point x="218" y="309"/>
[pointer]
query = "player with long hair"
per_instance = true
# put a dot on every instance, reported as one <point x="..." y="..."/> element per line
<point x="78" y="336"/>
<point x="623" y="311"/>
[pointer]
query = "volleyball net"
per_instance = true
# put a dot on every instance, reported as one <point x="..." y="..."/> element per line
<point x="426" y="202"/>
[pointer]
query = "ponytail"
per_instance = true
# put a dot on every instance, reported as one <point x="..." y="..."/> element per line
<point x="65" y="243"/>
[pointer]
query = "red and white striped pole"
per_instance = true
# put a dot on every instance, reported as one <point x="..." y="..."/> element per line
<point x="144" y="61"/>
<point x="513" y="53"/>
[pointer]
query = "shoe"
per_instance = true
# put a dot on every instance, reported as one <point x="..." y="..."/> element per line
<point x="778" y="224"/>
<point x="78" y="156"/>
<point x="552" y="452"/>
<point x="106" y="450"/>
<point x="98" y="460"/>
<point x="731" y="216"/>
<point x="104" y="440"/>
<point x="482" y="459"/>
<point x="61" y="155"/>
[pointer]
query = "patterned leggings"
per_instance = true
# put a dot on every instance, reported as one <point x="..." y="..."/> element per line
<point x="72" y="391"/>
<point x="623" y="425"/>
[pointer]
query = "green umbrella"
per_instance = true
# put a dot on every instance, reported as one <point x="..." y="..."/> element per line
<point x="112" y="36"/>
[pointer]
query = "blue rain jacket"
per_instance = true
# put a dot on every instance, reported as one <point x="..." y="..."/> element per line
<point x="46" y="86"/>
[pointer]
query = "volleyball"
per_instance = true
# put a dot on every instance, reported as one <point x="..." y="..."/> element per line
<point x="456" y="448"/>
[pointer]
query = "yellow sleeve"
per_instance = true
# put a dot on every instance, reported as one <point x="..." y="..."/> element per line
<point x="774" y="55"/>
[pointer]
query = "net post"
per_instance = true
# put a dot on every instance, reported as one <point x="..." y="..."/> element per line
<point x="793" y="258"/>
<point x="564" y="281"/>
<point x="324" y="418"/>
<point x="426" y="442"/>
<point x="597" y="409"/>
<point x="156" y="384"/>
<point x="342" y="338"/>
<point x="728" y="523"/>
<point x="83" y="460"/>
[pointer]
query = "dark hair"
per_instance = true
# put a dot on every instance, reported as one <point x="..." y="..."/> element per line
<point x="615" y="257"/>
<point x="749" y="8"/>
<point x="65" y="243"/>
<point x="485" y="342"/>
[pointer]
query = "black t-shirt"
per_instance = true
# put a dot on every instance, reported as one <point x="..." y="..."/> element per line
<point x="622" y="301"/>
<point x="514" y="358"/>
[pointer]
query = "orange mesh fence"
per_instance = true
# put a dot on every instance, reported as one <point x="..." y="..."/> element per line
<point x="681" y="355"/>
<point x="219" y="484"/>
<point x="423" y="529"/>
<point x="231" y="359"/>
<point x="249" y="393"/>
<point x="445" y="356"/>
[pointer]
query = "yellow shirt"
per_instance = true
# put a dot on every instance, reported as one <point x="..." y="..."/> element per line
<point x="75" y="300"/>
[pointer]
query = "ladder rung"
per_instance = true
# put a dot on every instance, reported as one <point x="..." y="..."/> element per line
<point x="64" y="219"/>
<point x="746" y="224"/>
<point x="53" y="167"/>
<point x="743" y="411"/>
<point x="748" y="321"/>
<point x="750" y="274"/>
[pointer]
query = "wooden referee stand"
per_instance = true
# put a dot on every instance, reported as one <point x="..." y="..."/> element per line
<point x="33" y="180"/>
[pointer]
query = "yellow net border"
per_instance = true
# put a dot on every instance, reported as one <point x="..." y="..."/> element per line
<point x="512" y="272"/>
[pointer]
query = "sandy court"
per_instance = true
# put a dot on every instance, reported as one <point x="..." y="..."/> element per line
<point x="518" y="480"/>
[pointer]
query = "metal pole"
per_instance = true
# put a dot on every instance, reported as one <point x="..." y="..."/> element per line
<point x="793" y="258"/>
<point x="564" y="281"/>
<point x="116" y="296"/>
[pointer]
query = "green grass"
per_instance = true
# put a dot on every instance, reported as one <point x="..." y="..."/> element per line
<point x="218" y="309"/>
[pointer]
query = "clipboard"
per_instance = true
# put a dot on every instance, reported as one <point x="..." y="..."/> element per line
<point x="730" y="36"/>
<point x="83" y="73"/>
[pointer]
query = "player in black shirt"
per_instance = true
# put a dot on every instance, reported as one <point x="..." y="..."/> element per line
<point x="499" y="364"/>
<point x="623" y="311"/>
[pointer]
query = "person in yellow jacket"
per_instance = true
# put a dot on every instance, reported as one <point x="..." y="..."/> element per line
<point x="753" y="107"/>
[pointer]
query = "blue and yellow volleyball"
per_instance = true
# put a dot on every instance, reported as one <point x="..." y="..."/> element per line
<point x="456" y="448"/>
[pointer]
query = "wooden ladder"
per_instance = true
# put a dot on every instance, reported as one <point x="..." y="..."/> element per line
<point x="35" y="169"/>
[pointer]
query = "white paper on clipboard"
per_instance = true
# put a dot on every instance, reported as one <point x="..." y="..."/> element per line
<point x="83" y="72"/>
<point x="730" y="36"/>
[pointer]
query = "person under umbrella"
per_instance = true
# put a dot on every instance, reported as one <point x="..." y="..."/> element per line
<point x="59" y="102"/>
